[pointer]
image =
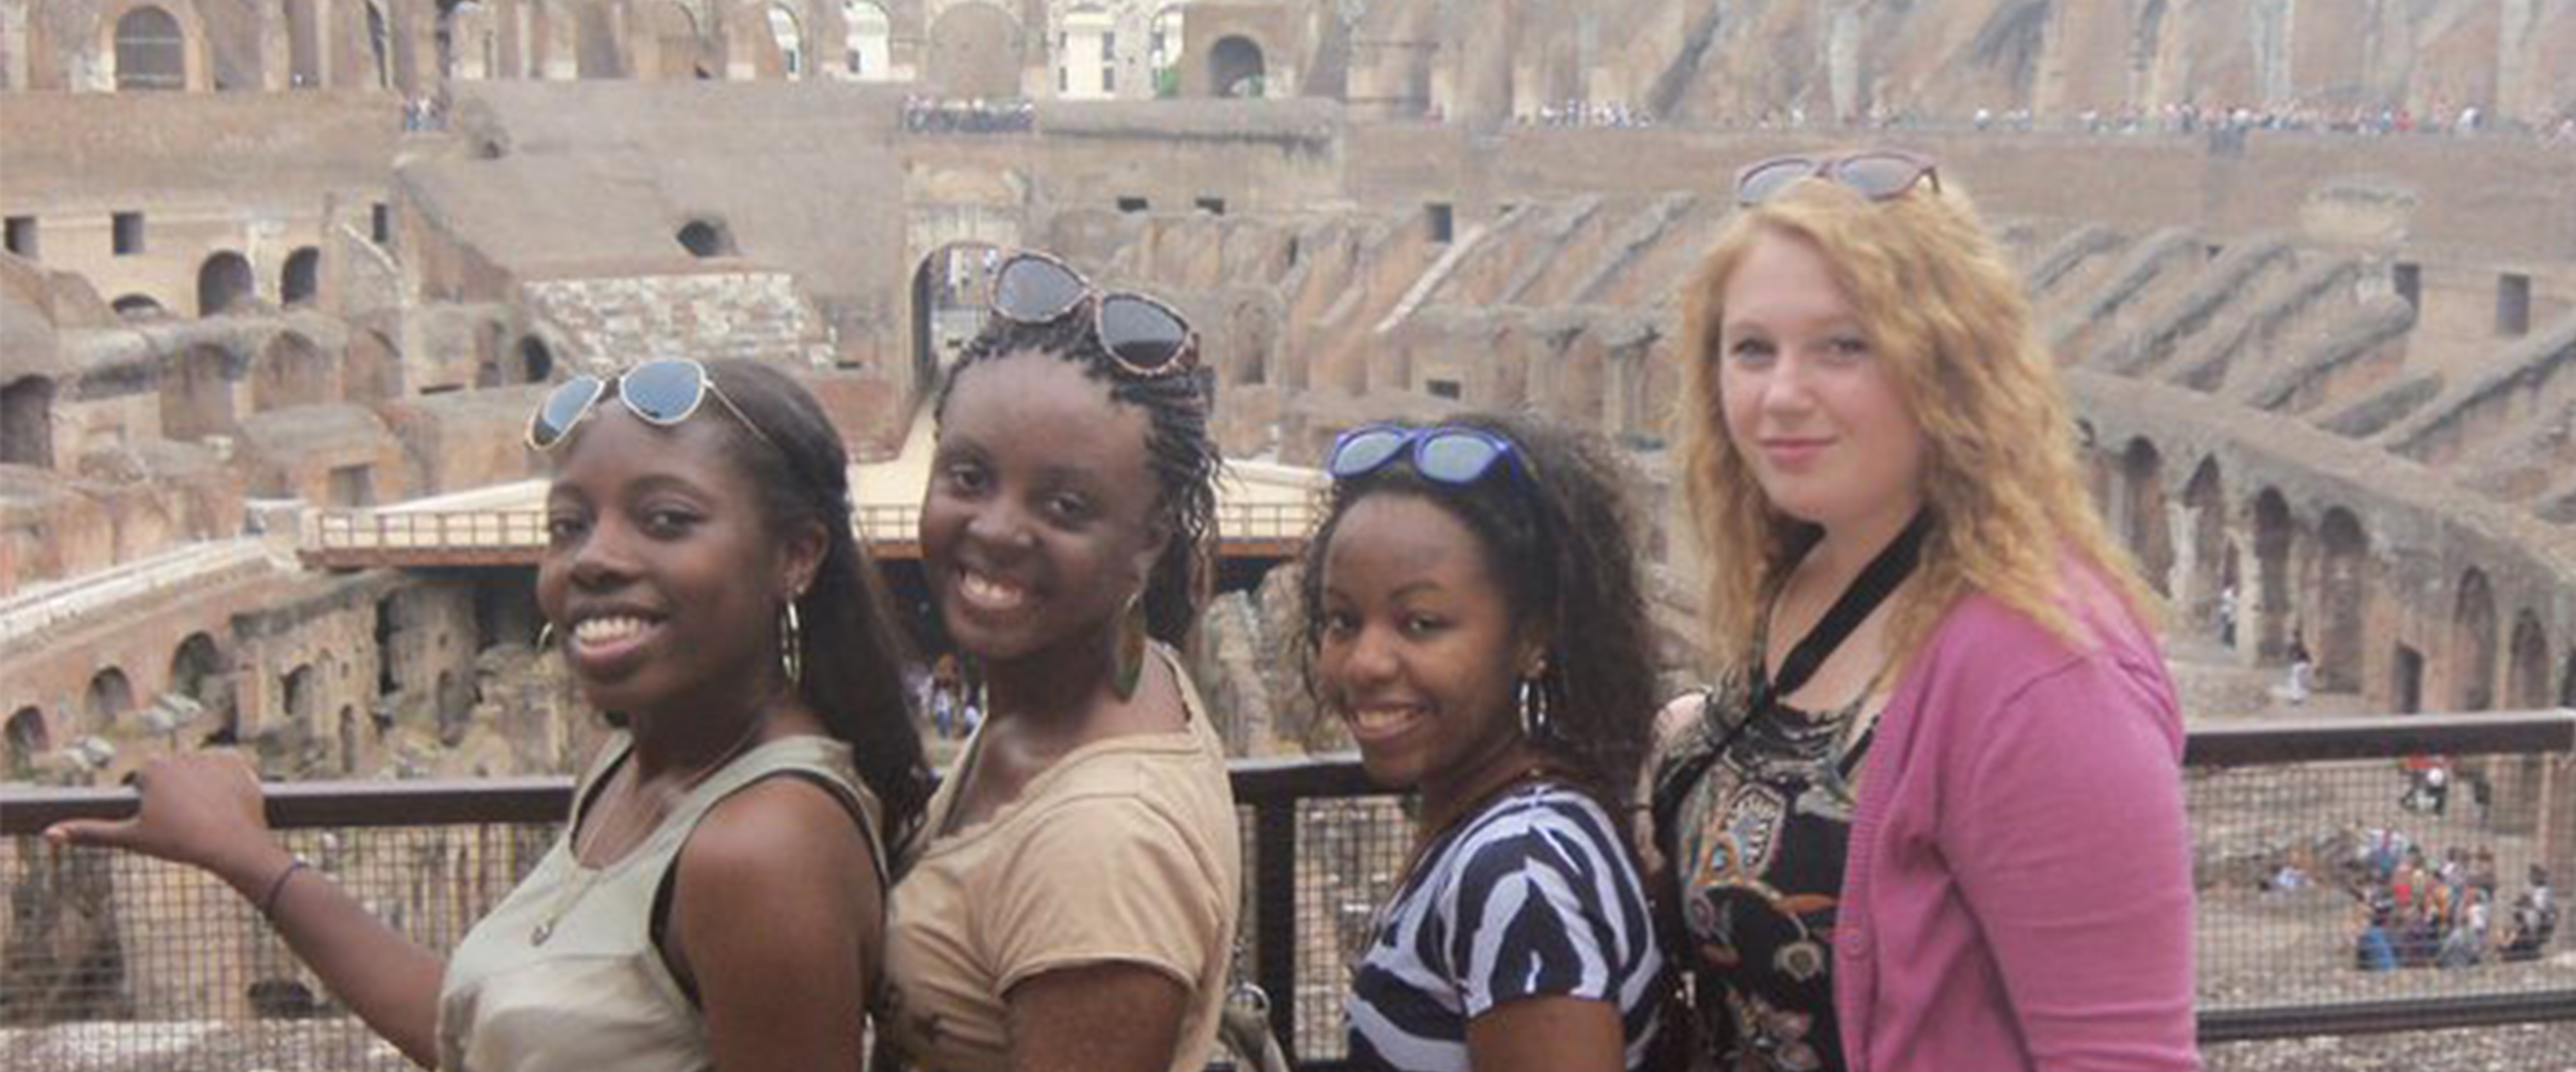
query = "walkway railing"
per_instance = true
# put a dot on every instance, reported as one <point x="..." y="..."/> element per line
<point x="118" y="962"/>
<point x="358" y="539"/>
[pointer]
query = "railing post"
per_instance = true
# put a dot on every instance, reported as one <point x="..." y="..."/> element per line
<point x="1274" y="914"/>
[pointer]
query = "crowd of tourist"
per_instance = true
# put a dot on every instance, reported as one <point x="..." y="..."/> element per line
<point x="974" y="115"/>
<point x="1581" y="113"/>
<point x="2413" y="912"/>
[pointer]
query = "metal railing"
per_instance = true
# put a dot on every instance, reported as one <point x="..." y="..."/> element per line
<point x="2284" y="816"/>
<point x="366" y="538"/>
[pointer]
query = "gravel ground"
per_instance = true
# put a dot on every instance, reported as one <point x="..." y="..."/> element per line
<point x="2519" y="1048"/>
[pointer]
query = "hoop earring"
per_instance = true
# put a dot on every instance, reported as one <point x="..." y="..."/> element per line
<point x="1538" y="723"/>
<point x="791" y="643"/>
<point x="1127" y="664"/>
<point x="546" y="637"/>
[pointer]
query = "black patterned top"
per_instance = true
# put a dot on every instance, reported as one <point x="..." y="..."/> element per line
<point x="1760" y="843"/>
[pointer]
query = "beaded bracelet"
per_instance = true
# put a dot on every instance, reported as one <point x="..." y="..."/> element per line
<point x="268" y="901"/>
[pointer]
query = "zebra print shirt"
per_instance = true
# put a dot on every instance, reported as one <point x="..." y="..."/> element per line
<point x="1534" y="896"/>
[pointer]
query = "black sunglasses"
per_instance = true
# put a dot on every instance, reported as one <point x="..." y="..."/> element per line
<point x="1879" y="175"/>
<point x="1447" y="454"/>
<point x="661" y="392"/>
<point x="1143" y="336"/>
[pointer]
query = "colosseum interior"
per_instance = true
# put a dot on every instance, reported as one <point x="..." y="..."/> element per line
<point x="2308" y="264"/>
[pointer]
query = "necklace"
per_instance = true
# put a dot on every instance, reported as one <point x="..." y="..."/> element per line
<point x="585" y="875"/>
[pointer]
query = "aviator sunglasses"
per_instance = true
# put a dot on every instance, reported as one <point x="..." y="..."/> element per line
<point x="1879" y="175"/>
<point x="662" y="392"/>
<point x="1446" y="454"/>
<point x="1144" y="337"/>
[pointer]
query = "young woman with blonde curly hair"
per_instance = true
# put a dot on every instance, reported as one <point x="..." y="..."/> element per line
<point x="1929" y="816"/>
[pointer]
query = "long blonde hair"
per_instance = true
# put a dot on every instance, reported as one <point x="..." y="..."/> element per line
<point x="2001" y="479"/>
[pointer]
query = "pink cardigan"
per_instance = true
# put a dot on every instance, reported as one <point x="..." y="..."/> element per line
<point x="2018" y="893"/>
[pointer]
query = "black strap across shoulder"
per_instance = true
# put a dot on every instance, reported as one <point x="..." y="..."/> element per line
<point x="1876" y="582"/>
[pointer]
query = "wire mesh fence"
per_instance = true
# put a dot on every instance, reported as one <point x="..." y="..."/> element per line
<point x="116" y="961"/>
<point x="2304" y="839"/>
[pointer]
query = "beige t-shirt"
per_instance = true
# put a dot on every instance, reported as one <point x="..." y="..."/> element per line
<point x="1125" y="851"/>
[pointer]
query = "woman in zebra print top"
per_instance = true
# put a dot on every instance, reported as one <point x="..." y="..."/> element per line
<point x="1472" y="615"/>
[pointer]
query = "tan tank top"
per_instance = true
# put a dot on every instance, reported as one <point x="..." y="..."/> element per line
<point x="563" y="974"/>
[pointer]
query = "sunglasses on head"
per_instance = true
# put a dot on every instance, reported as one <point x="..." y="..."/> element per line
<point x="662" y="392"/>
<point x="1879" y="175"/>
<point x="1446" y="454"/>
<point x="1142" y="336"/>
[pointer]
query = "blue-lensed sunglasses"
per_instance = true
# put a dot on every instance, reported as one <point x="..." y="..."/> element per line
<point x="661" y="392"/>
<point x="1447" y="454"/>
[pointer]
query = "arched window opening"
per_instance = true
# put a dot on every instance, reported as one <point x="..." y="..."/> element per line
<point x="869" y="40"/>
<point x="111" y="697"/>
<point x="223" y="281"/>
<point x="151" y="51"/>
<point x="1235" y="68"/>
<point x="707" y="238"/>
<point x="296" y="284"/>
<point x="27" y="422"/>
<point x="790" y="39"/>
<point x="536" y="361"/>
<point x="27" y="735"/>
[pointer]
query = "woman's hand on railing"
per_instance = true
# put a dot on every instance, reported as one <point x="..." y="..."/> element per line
<point x="203" y="809"/>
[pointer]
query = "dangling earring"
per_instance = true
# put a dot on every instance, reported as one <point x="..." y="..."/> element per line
<point x="791" y="643"/>
<point x="546" y="637"/>
<point x="1537" y="722"/>
<point x="1127" y="666"/>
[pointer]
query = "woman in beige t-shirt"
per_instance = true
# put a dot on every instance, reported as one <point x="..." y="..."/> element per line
<point x="1071" y="901"/>
<point x="716" y="901"/>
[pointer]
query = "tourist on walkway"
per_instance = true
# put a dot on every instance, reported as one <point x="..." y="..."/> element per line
<point x="716" y="898"/>
<point x="1471" y="612"/>
<point x="1930" y="814"/>
<point x="1072" y="902"/>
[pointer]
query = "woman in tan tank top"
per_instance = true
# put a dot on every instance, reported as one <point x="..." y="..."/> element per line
<point x="1072" y="902"/>
<point x="717" y="899"/>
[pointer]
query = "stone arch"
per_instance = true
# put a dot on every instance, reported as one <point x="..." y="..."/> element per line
<point x="1164" y="42"/>
<point x="2473" y="644"/>
<point x="150" y="51"/>
<point x="536" y="360"/>
<point x="1236" y="67"/>
<point x="2142" y="510"/>
<point x="222" y="281"/>
<point x="289" y="371"/>
<point x="2342" y="601"/>
<point x="787" y="39"/>
<point x="197" y="393"/>
<point x="137" y="307"/>
<point x="301" y="278"/>
<point x="110" y="697"/>
<point x="27" y="422"/>
<point x="2204" y="504"/>
<point x="950" y="288"/>
<point x="2527" y="664"/>
<point x="867" y="41"/>
<point x="27" y="734"/>
<point x="976" y="50"/>
<point x="2274" y="540"/>
<point x="302" y="695"/>
<point x="197" y="671"/>
<point x="667" y="47"/>
<point x="374" y="370"/>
